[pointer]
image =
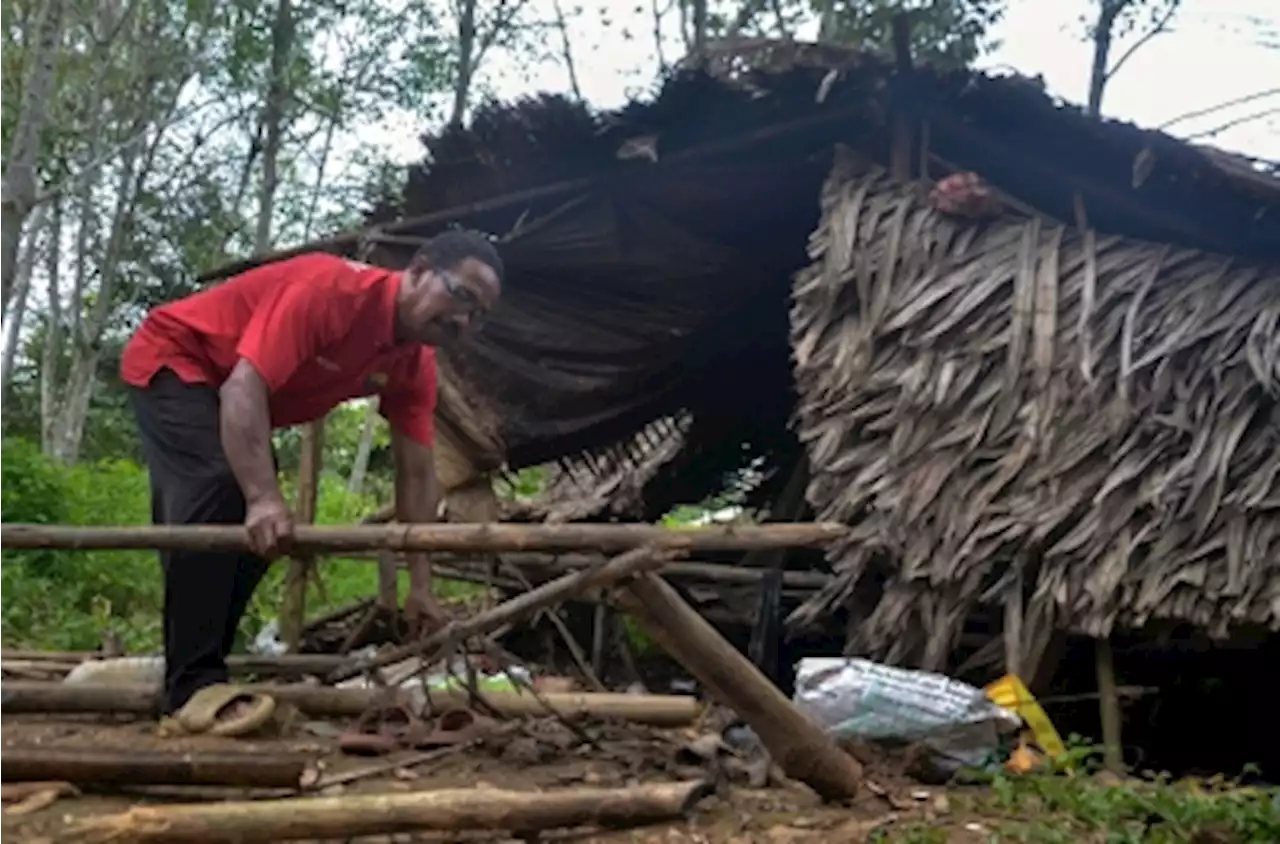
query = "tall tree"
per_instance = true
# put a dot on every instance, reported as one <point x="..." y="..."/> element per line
<point x="23" y="156"/>
<point x="1115" y="19"/>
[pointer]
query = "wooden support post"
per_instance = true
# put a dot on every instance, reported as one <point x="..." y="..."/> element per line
<point x="388" y="591"/>
<point x="600" y="637"/>
<point x="1013" y="643"/>
<point x="293" y="609"/>
<point x="357" y="815"/>
<point x="796" y="743"/>
<point x="1109" y="707"/>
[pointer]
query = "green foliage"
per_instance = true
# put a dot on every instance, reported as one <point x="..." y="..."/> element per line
<point x="67" y="600"/>
<point x="948" y="33"/>
<point x="522" y="484"/>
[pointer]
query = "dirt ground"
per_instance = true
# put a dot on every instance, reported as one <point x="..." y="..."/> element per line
<point x="537" y="755"/>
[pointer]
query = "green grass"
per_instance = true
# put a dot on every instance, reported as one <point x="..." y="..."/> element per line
<point x="1061" y="808"/>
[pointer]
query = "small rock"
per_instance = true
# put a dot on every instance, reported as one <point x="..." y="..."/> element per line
<point x="920" y="794"/>
<point x="941" y="804"/>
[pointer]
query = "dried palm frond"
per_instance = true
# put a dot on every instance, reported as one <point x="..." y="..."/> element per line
<point x="1098" y="414"/>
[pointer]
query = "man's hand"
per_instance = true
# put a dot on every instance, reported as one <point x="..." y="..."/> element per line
<point x="424" y="613"/>
<point x="270" y="525"/>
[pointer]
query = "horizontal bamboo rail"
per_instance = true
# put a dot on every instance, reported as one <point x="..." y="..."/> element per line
<point x="493" y="537"/>
<point x="468" y="566"/>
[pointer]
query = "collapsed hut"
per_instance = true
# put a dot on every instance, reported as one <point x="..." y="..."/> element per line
<point x="1056" y="419"/>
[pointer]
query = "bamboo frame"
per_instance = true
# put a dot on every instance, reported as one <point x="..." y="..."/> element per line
<point x="496" y="537"/>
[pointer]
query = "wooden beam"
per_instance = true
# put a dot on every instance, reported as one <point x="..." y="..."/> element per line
<point x="796" y="743"/>
<point x="1108" y="707"/>
<point x="605" y="538"/>
<point x="293" y="610"/>
<point x="83" y="766"/>
<point x="350" y="816"/>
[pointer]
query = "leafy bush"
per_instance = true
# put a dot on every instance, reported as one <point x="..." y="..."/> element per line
<point x="67" y="600"/>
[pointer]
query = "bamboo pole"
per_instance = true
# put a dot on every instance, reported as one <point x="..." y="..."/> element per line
<point x="795" y="742"/>
<point x="516" y="610"/>
<point x="141" y="698"/>
<point x="130" y="767"/>
<point x="293" y="608"/>
<point x="284" y="665"/>
<point x="495" y="537"/>
<point x="350" y="816"/>
<point x="747" y="573"/>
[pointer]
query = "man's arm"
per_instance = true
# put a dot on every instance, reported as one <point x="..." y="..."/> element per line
<point x="303" y="312"/>
<point x="245" y="424"/>
<point x="417" y="500"/>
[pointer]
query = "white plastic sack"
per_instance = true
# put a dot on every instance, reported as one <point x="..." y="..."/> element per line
<point x="858" y="698"/>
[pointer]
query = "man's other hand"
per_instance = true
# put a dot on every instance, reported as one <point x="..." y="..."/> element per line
<point x="270" y="526"/>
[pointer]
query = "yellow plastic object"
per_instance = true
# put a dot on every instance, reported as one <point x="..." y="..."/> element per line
<point x="1012" y="694"/>
<point x="1023" y="759"/>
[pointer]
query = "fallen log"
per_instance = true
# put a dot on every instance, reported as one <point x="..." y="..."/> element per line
<point x="515" y="610"/>
<point x="349" y="816"/>
<point x="797" y="744"/>
<point x="141" y="699"/>
<point x="125" y="767"/>
<point x="488" y="537"/>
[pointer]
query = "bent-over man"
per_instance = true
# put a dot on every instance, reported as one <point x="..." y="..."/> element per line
<point x="211" y="375"/>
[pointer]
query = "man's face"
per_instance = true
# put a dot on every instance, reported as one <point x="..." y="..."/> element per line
<point x="439" y="307"/>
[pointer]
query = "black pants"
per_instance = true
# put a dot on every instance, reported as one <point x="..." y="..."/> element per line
<point x="205" y="592"/>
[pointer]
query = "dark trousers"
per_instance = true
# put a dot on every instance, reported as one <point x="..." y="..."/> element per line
<point x="205" y="592"/>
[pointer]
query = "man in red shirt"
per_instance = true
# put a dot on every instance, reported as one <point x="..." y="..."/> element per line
<point x="279" y="345"/>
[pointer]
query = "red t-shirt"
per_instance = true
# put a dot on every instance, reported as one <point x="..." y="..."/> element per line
<point x="318" y="328"/>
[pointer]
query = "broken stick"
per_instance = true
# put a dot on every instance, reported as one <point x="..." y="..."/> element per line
<point x="349" y="816"/>
<point x="516" y="610"/>
<point x="128" y="767"/>
<point x="797" y="744"/>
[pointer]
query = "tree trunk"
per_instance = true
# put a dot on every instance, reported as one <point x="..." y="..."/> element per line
<point x="52" y="331"/>
<point x="86" y="351"/>
<point x="18" y="299"/>
<point x="360" y="465"/>
<point x="19" y="189"/>
<point x="1108" y="11"/>
<point x="466" y="60"/>
<point x="272" y="118"/>
<point x="567" y="51"/>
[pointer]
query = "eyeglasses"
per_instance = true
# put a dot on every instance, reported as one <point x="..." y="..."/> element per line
<point x="465" y="296"/>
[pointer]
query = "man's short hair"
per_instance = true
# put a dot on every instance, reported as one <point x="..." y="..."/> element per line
<point x="448" y="249"/>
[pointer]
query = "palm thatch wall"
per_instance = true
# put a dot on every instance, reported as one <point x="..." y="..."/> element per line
<point x="1081" y="429"/>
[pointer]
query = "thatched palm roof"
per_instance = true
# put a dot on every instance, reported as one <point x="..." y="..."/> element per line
<point x="1084" y="425"/>
<point x="650" y="255"/>
<point x="640" y="288"/>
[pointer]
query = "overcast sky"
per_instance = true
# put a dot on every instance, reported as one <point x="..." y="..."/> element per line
<point x="1215" y="53"/>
